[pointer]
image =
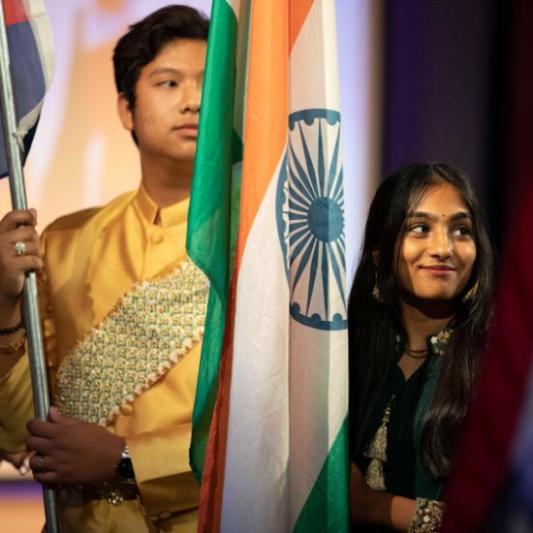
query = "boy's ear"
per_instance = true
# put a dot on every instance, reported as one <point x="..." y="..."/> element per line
<point x="124" y="112"/>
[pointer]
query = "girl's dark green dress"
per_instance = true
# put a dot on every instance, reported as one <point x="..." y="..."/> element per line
<point x="409" y="400"/>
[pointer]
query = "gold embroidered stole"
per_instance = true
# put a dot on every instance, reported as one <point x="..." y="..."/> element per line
<point x="151" y="328"/>
<point x="377" y="452"/>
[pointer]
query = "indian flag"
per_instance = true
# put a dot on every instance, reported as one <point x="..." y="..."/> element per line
<point x="266" y="224"/>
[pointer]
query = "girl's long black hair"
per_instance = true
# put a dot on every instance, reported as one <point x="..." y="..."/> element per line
<point x="373" y="324"/>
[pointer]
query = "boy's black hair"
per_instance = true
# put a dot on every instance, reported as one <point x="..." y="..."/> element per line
<point x="146" y="38"/>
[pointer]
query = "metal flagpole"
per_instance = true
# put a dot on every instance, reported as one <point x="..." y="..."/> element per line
<point x="32" y="320"/>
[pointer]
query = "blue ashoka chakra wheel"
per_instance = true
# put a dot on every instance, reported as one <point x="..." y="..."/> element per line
<point x="310" y="219"/>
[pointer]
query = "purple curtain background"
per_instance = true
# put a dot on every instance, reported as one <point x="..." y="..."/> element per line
<point x="445" y="71"/>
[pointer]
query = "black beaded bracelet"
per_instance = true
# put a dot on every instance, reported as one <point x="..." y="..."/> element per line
<point x="8" y="331"/>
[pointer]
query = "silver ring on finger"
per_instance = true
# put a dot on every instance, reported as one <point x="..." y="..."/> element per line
<point x="20" y="248"/>
<point x="40" y="461"/>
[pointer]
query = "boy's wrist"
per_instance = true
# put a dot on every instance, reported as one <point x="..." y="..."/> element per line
<point x="124" y="467"/>
<point x="10" y="312"/>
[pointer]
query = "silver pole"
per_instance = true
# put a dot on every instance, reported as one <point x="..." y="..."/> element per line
<point x="32" y="320"/>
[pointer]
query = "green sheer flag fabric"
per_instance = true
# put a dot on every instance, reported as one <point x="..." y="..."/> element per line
<point x="212" y="219"/>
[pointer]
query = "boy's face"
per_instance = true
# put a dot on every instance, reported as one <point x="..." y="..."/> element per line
<point x="165" y="116"/>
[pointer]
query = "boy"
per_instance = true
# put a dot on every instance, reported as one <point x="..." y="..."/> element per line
<point x="122" y="310"/>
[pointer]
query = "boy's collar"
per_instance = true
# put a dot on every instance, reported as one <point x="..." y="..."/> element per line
<point x="168" y="216"/>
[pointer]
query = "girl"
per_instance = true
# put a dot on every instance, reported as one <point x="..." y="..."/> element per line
<point x="418" y="316"/>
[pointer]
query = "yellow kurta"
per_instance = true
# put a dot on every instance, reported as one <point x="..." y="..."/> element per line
<point x="92" y="258"/>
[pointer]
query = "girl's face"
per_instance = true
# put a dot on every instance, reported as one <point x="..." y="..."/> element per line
<point x="435" y="258"/>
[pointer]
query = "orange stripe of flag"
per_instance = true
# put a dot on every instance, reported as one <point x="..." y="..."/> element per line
<point x="264" y="140"/>
<point x="274" y="32"/>
<point x="267" y="105"/>
<point x="272" y="35"/>
<point x="299" y="9"/>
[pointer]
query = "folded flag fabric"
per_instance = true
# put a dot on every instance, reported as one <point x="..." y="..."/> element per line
<point x="213" y="211"/>
<point x="266" y="224"/>
<point x="31" y="65"/>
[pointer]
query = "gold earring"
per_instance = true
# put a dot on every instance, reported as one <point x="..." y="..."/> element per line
<point x="376" y="293"/>
<point x="471" y="294"/>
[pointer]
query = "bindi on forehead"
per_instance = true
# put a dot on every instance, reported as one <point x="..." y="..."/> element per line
<point x="441" y="202"/>
<point x="457" y="215"/>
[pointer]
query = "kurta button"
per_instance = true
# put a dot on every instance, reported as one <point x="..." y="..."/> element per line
<point x="126" y="409"/>
<point x="157" y="238"/>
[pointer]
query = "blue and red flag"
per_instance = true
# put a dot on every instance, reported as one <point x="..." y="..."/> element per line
<point x="31" y="65"/>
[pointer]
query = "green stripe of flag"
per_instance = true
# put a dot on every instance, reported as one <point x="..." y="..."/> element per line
<point x="212" y="219"/>
<point x="327" y="507"/>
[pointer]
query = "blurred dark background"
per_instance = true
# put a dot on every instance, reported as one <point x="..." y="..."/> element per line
<point x="459" y="88"/>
